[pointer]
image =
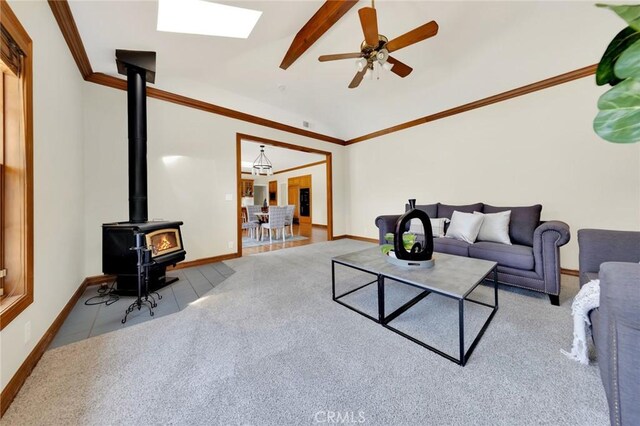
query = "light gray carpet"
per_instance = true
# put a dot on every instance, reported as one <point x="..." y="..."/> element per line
<point x="269" y="346"/>
<point x="250" y="242"/>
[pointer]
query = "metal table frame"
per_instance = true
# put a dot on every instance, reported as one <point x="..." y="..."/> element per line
<point x="384" y="320"/>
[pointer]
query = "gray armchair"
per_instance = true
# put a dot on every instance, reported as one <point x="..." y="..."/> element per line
<point x="613" y="256"/>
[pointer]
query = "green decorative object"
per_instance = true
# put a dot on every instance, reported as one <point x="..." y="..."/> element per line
<point x="605" y="73"/>
<point x="618" y="120"/>
<point x="619" y="117"/>
<point x="408" y="240"/>
<point x="630" y="13"/>
<point x="628" y="64"/>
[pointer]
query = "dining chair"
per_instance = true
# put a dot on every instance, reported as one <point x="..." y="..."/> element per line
<point x="277" y="217"/>
<point x="251" y="212"/>
<point x="252" y="227"/>
<point x="288" y="221"/>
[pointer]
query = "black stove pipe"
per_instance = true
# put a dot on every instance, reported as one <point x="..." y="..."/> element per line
<point x="137" y="115"/>
<point x="140" y="68"/>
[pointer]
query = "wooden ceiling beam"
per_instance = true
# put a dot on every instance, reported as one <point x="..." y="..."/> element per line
<point x="328" y="14"/>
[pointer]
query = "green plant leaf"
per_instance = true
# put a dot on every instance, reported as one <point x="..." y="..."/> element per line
<point x="619" y="117"/>
<point x="386" y="248"/>
<point x="388" y="237"/>
<point x="605" y="73"/>
<point x="628" y="64"/>
<point x="630" y="13"/>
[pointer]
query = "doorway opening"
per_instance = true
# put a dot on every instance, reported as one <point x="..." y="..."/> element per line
<point x="300" y="178"/>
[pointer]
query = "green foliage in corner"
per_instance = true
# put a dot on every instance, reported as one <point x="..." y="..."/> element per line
<point x="619" y="117"/>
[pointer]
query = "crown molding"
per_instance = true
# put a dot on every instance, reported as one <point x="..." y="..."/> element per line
<point x="66" y="22"/>
<point x="523" y="90"/>
<point x="64" y="18"/>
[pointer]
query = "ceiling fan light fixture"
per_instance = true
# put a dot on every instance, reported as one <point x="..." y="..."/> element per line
<point x="382" y="56"/>
<point x="387" y="66"/>
<point x="361" y="63"/>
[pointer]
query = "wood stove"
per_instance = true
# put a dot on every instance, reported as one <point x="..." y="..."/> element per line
<point x="162" y="237"/>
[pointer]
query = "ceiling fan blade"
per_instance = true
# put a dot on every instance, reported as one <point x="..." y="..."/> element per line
<point x="369" y="21"/>
<point x="325" y="58"/>
<point x="423" y="32"/>
<point x="399" y="68"/>
<point x="358" y="78"/>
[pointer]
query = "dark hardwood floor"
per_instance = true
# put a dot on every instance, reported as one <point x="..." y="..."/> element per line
<point x="314" y="234"/>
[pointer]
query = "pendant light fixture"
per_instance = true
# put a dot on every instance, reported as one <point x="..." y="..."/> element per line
<point x="262" y="165"/>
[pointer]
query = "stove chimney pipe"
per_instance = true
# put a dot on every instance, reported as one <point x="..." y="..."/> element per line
<point x="139" y="67"/>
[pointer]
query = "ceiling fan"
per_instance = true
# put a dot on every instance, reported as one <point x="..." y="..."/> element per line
<point x="375" y="48"/>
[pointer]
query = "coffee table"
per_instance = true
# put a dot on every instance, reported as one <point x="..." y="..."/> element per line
<point x="452" y="276"/>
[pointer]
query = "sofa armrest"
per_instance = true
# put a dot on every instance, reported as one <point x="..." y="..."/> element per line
<point x="386" y="224"/>
<point x="597" y="246"/>
<point x="547" y="240"/>
<point x="619" y="348"/>
<point x="620" y="292"/>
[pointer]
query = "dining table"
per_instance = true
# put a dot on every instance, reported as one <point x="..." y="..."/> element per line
<point x="262" y="218"/>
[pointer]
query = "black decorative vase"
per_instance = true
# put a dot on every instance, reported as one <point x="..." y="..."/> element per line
<point x="418" y="252"/>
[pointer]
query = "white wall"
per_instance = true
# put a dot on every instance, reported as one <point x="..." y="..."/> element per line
<point x="58" y="188"/>
<point x="192" y="187"/>
<point x="538" y="148"/>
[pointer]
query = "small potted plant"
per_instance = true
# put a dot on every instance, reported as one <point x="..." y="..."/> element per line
<point x="408" y="240"/>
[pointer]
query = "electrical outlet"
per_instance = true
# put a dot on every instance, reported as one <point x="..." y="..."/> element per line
<point x="27" y="332"/>
<point x="230" y="244"/>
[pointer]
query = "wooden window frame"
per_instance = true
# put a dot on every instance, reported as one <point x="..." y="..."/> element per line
<point x="9" y="310"/>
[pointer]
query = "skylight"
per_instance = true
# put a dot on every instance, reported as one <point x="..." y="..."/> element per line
<point x="205" y="18"/>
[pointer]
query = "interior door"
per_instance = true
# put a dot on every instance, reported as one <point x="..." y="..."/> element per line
<point x="273" y="193"/>
<point x="294" y="194"/>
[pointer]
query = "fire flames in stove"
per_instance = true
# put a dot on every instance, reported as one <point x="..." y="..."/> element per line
<point x="163" y="241"/>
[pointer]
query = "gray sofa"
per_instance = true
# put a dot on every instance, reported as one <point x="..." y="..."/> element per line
<point x="532" y="262"/>
<point x="613" y="256"/>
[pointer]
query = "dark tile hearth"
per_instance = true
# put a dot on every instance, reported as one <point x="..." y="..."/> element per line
<point x="87" y="321"/>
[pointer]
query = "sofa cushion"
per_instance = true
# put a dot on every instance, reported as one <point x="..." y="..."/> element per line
<point x="446" y="210"/>
<point x="514" y="256"/>
<point x="523" y="222"/>
<point x="451" y="246"/>
<point x="464" y="226"/>
<point x="429" y="209"/>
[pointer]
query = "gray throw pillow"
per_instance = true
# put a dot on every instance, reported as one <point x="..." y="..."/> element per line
<point x="523" y="222"/>
<point x="429" y="209"/>
<point x="446" y="210"/>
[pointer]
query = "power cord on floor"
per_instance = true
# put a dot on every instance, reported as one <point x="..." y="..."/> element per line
<point x="106" y="295"/>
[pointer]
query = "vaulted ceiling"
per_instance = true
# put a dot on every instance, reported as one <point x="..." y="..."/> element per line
<point x="482" y="48"/>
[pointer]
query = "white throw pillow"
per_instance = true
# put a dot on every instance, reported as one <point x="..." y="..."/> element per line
<point x="415" y="227"/>
<point x="464" y="226"/>
<point x="437" y="226"/>
<point x="495" y="227"/>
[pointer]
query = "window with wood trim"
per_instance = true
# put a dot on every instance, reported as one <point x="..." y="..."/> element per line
<point x="16" y="168"/>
